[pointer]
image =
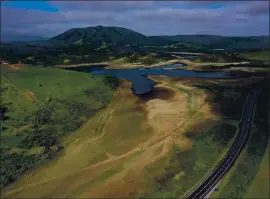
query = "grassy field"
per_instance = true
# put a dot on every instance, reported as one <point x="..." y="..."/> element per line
<point x="42" y="104"/>
<point x="258" y="55"/>
<point x="245" y="172"/>
<point x="260" y="185"/>
<point x="186" y="168"/>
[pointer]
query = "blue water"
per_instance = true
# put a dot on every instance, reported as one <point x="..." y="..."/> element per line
<point x="141" y="84"/>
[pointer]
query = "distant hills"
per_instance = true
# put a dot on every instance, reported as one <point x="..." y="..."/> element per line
<point x="19" y="37"/>
<point x="215" y="41"/>
<point x="106" y="36"/>
<point x="118" y="39"/>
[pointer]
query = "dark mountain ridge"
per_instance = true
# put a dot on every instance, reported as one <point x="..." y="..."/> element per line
<point x="118" y="39"/>
<point x="101" y="35"/>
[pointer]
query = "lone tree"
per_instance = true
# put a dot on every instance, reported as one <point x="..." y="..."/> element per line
<point x="3" y="110"/>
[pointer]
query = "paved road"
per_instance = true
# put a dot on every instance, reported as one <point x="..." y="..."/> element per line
<point x="226" y="163"/>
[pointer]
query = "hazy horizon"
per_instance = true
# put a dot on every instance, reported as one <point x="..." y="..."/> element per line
<point x="151" y="18"/>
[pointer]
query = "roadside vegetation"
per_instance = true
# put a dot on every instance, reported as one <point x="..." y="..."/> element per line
<point x="244" y="177"/>
<point x="260" y="185"/>
<point x="226" y="99"/>
<point x="183" y="169"/>
<point x="38" y="107"/>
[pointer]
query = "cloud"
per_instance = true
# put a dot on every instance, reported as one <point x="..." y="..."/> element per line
<point x="21" y="17"/>
<point x="147" y="17"/>
<point x="224" y="21"/>
<point x="255" y="8"/>
<point x="104" y="6"/>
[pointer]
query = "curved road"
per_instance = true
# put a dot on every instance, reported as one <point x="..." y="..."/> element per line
<point x="226" y="163"/>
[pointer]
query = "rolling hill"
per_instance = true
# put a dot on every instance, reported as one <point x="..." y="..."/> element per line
<point x="19" y="37"/>
<point x="101" y="36"/>
<point x="215" y="41"/>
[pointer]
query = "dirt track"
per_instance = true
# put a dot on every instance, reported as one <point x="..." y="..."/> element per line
<point x="166" y="112"/>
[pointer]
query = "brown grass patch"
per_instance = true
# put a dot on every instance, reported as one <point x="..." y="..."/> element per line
<point x="126" y="185"/>
<point x="15" y="66"/>
<point x="182" y="142"/>
<point x="130" y="182"/>
<point x="29" y="95"/>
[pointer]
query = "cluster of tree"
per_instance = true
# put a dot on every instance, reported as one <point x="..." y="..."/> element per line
<point x="63" y="58"/>
<point x="72" y="126"/>
<point x="3" y="111"/>
<point x="173" y="167"/>
<point x="15" y="164"/>
<point x="40" y="138"/>
<point x="43" y="115"/>
<point x="112" y="81"/>
<point x="231" y="100"/>
<point x="3" y="106"/>
<point x="253" y="63"/>
<point x="220" y="57"/>
<point x="76" y="54"/>
<point x="37" y="135"/>
<point x="43" y="134"/>
<point x="8" y="54"/>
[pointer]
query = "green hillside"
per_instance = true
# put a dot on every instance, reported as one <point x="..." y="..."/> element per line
<point x="215" y="41"/>
<point x="258" y="56"/>
<point x="39" y="106"/>
<point x="101" y="36"/>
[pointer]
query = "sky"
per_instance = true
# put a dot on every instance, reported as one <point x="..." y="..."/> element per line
<point x="50" y="18"/>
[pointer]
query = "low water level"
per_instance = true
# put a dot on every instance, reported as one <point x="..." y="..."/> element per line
<point x="141" y="84"/>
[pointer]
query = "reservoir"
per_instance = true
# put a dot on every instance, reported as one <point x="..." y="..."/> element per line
<point x="141" y="84"/>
